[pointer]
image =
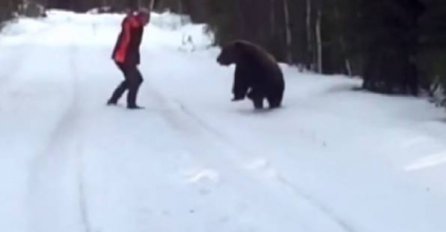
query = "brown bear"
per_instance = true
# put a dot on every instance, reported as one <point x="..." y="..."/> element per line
<point x="257" y="74"/>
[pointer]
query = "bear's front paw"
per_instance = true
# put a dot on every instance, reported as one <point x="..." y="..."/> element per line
<point x="237" y="99"/>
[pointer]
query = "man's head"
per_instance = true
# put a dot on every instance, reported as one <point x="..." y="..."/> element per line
<point x="143" y="15"/>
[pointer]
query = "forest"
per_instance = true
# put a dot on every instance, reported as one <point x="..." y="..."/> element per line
<point x="396" y="46"/>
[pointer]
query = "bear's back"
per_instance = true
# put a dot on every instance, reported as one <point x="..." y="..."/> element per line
<point x="261" y="62"/>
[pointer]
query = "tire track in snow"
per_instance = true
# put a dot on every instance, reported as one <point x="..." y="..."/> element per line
<point x="346" y="226"/>
<point x="298" y="192"/>
<point x="83" y="201"/>
<point x="57" y="182"/>
<point x="179" y="115"/>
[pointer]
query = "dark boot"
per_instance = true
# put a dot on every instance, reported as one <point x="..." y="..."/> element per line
<point x="135" y="107"/>
<point x="131" y="96"/>
<point x="111" y="102"/>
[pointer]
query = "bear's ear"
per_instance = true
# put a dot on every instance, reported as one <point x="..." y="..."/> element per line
<point x="238" y="44"/>
<point x="239" y="48"/>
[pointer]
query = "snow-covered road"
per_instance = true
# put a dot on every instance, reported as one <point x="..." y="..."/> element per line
<point x="331" y="160"/>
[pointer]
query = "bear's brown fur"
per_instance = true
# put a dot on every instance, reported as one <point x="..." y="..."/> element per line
<point x="257" y="74"/>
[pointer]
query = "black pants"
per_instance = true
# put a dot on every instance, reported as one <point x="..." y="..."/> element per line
<point x="132" y="82"/>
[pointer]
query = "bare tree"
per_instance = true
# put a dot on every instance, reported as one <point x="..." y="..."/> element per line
<point x="309" y="31"/>
<point x="289" y="38"/>
<point x="319" y="41"/>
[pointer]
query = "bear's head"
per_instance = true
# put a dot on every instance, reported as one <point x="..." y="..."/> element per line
<point x="230" y="54"/>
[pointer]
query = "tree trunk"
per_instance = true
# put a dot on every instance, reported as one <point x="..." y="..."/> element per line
<point x="272" y="19"/>
<point x="289" y="38"/>
<point x="180" y="7"/>
<point x="319" y="41"/>
<point x="309" y="36"/>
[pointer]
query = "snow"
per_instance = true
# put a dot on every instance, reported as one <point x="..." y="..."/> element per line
<point x="332" y="159"/>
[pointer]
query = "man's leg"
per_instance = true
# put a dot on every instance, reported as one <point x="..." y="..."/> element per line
<point x="134" y="80"/>
<point x="121" y="88"/>
<point x="118" y="93"/>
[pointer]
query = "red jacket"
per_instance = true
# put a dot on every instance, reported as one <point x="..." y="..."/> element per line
<point x="126" y="50"/>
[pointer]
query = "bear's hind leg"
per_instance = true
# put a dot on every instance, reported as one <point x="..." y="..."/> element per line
<point x="257" y="98"/>
<point x="258" y="103"/>
<point x="275" y="101"/>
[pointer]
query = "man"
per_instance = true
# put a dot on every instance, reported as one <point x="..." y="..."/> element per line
<point x="126" y="56"/>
